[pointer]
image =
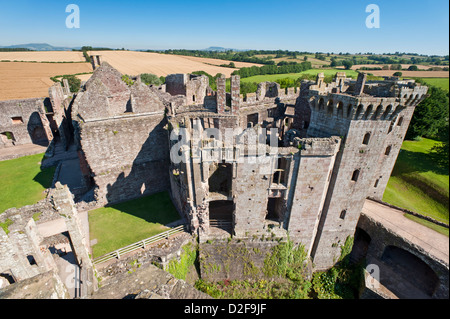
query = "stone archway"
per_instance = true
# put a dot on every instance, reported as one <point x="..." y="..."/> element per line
<point x="221" y="214"/>
<point x="411" y="270"/>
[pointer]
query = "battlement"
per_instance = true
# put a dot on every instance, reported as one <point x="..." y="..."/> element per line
<point x="346" y="100"/>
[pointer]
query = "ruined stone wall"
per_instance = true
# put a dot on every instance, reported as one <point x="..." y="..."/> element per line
<point x="60" y="100"/>
<point x="128" y="157"/>
<point x="26" y="120"/>
<point x="242" y="260"/>
<point x="121" y="132"/>
<point x="20" y="253"/>
<point x="250" y="190"/>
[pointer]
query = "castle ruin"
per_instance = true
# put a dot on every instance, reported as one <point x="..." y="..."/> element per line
<point x="299" y="162"/>
<point x="336" y="145"/>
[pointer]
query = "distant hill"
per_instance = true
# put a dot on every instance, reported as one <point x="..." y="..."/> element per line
<point x="221" y="49"/>
<point x="39" y="47"/>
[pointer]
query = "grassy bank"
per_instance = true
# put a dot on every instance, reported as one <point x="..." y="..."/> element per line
<point x="417" y="181"/>
<point x="122" y="224"/>
<point x="439" y="82"/>
<point x="23" y="181"/>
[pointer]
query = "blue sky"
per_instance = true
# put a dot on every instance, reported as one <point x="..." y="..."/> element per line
<point x="317" y="26"/>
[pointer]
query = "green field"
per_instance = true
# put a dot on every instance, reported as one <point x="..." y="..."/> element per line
<point x="274" y="77"/>
<point x="122" y="224"/>
<point x="439" y="82"/>
<point x="23" y="181"/>
<point x="418" y="183"/>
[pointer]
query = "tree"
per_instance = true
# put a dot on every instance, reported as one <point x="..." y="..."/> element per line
<point x="150" y="79"/>
<point x="305" y="58"/>
<point x="396" y="67"/>
<point x="413" y="68"/>
<point x="398" y="74"/>
<point x="430" y="116"/>
<point x="347" y="64"/>
<point x="74" y="83"/>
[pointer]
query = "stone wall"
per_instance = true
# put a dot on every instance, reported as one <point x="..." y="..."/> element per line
<point x="121" y="133"/>
<point x="381" y="238"/>
<point x="313" y="172"/>
<point x="250" y="191"/>
<point x="25" y="121"/>
<point x="367" y="125"/>
<point x="244" y="260"/>
<point x="128" y="157"/>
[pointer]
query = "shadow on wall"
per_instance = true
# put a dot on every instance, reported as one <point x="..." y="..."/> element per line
<point x="36" y="130"/>
<point x="149" y="172"/>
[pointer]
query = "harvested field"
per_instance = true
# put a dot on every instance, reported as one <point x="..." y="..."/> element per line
<point x="43" y="56"/>
<point x="219" y="62"/>
<point x="134" y="63"/>
<point x="22" y="80"/>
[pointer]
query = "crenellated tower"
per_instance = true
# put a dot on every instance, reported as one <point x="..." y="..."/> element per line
<point x="372" y="118"/>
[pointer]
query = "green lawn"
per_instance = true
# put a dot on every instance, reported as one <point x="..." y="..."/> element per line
<point x="23" y="181"/>
<point x="418" y="183"/>
<point x="274" y="77"/>
<point x="122" y="224"/>
<point x="439" y="82"/>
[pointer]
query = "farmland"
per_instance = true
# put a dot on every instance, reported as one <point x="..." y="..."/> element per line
<point x="43" y="56"/>
<point x="134" y="63"/>
<point x="21" y="80"/>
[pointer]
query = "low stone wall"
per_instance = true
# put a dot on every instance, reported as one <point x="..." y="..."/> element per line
<point x="237" y="259"/>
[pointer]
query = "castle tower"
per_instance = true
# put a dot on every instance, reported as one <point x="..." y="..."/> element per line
<point x="372" y="126"/>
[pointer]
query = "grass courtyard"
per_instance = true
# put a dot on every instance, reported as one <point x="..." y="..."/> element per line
<point x="418" y="183"/>
<point x="23" y="182"/>
<point x="125" y="223"/>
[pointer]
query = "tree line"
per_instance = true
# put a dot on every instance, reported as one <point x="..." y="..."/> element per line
<point x="273" y="69"/>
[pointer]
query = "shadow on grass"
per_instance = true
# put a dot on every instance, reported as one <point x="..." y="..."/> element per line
<point x="45" y="177"/>
<point x="409" y="162"/>
<point x="160" y="204"/>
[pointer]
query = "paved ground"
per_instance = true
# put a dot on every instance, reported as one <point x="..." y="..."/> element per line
<point x="21" y="150"/>
<point x="70" y="174"/>
<point x="431" y="241"/>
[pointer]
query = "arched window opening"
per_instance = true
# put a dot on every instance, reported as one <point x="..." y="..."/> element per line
<point x="355" y="175"/>
<point x="366" y="139"/>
